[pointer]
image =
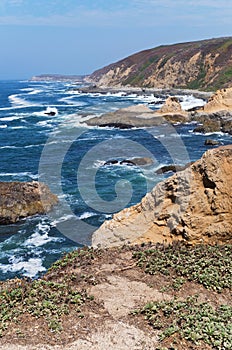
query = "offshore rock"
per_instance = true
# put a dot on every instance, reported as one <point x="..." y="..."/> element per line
<point x="194" y="205"/>
<point x="21" y="199"/>
<point x="137" y="161"/>
<point x="172" y="105"/>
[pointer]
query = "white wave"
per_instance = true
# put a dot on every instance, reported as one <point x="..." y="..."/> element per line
<point x="31" y="91"/>
<point x="35" y="92"/>
<point x="116" y="94"/>
<point x="32" y="176"/>
<point x="40" y="236"/>
<point x="26" y="89"/>
<point x="18" y="147"/>
<point x="189" y="101"/>
<point x="14" y="117"/>
<point x="18" y="102"/>
<point x="29" y="268"/>
<point x="3" y="126"/>
<point x="45" y="123"/>
<point x="62" y="218"/>
<point x="9" y="147"/>
<point x="86" y="215"/>
<point x="69" y="101"/>
<point x="33" y="146"/>
<point x="18" y="127"/>
<point x="148" y="99"/>
<point x="220" y="133"/>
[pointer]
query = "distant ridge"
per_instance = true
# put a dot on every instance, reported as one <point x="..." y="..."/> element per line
<point x="204" y="65"/>
<point x="58" y="77"/>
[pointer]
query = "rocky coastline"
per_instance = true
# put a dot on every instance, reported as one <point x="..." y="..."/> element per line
<point x="214" y="116"/>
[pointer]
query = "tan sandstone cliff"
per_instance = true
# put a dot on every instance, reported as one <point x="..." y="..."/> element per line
<point x="194" y="205"/>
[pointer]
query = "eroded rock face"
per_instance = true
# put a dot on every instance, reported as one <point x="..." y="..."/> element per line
<point x="21" y="199"/>
<point x="220" y="101"/>
<point x="194" y="205"/>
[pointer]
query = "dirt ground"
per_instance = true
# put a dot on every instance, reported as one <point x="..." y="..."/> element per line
<point x="118" y="287"/>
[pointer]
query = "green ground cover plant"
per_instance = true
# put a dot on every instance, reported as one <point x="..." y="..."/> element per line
<point x="39" y="298"/>
<point x="210" y="266"/>
<point x="191" y="320"/>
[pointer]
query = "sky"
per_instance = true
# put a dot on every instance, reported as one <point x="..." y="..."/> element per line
<point x="80" y="36"/>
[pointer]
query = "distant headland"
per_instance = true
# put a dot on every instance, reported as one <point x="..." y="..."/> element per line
<point x="58" y="77"/>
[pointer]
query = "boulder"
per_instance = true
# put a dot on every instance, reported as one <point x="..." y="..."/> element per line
<point x="194" y="205"/>
<point x="214" y="122"/>
<point x="21" y="199"/>
<point x="208" y="126"/>
<point x="172" y="105"/>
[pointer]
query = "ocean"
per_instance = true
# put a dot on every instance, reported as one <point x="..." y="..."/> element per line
<point x="43" y="137"/>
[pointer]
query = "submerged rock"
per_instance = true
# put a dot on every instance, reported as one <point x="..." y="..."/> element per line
<point x="137" y="161"/>
<point x="172" y="167"/>
<point x="210" y="142"/>
<point x="194" y="205"/>
<point x="21" y="199"/>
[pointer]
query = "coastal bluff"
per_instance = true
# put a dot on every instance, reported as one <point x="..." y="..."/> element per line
<point x="193" y="205"/>
<point x="22" y="199"/>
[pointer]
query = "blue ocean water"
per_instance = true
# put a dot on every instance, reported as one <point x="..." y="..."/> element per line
<point x="59" y="149"/>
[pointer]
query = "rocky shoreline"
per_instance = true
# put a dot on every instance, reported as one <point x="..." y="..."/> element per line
<point x="214" y="116"/>
<point x="205" y="95"/>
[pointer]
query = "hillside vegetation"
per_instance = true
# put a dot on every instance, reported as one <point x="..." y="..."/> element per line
<point x="205" y="65"/>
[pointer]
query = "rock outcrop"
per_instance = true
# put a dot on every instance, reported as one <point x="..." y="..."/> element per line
<point x="216" y="114"/>
<point x="21" y="199"/>
<point x="141" y="116"/>
<point x="220" y="101"/>
<point x="172" y="105"/>
<point x="194" y="205"/>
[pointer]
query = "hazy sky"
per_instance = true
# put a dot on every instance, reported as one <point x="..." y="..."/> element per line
<point x="80" y="36"/>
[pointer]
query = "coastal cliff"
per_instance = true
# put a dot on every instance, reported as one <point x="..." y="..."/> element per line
<point x="205" y="65"/>
<point x="194" y="205"/>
